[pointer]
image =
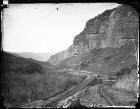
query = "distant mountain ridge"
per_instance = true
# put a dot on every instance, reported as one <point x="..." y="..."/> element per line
<point x="37" y="56"/>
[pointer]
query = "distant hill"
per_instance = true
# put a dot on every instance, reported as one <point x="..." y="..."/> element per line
<point x="56" y="58"/>
<point x="45" y="65"/>
<point x="37" y="56"/>
<point x="19" y="64"/>
<point x="17" y="75"/>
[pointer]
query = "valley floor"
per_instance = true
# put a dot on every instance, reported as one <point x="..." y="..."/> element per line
<point x="90" y="93"/>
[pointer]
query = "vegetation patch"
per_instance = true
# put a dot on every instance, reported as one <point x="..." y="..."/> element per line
<point x="26" y="81"/>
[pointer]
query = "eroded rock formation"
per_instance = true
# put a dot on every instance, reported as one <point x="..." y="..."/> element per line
<point x="113" y="28"/>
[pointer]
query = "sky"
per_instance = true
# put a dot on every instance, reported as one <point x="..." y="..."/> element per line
<point x="46" y="28"/>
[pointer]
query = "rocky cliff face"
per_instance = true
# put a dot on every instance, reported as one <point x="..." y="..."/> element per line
<point x="109" y="29"/>
<point x="113" y="28"/>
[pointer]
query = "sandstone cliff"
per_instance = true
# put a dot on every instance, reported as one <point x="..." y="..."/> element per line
<point x="111" y="29"/>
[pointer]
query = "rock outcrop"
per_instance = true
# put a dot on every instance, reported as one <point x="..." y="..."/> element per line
<point x="111" y="29"/>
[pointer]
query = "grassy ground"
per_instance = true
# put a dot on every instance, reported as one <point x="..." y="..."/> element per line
<point x="22" y="87"/>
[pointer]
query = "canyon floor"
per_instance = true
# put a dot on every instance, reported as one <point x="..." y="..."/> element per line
<point x="89" y="93"/>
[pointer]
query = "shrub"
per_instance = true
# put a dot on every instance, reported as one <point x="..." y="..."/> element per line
<point x="128" y="82"/>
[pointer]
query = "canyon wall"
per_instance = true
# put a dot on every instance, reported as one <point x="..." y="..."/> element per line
<point x="113" y="28"/>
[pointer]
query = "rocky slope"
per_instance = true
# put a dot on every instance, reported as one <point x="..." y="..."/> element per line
<point x="115" y="29"/>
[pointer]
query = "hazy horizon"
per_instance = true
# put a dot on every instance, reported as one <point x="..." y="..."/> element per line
<point x="27" y="52"/>
<point x="46" y="28"/>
